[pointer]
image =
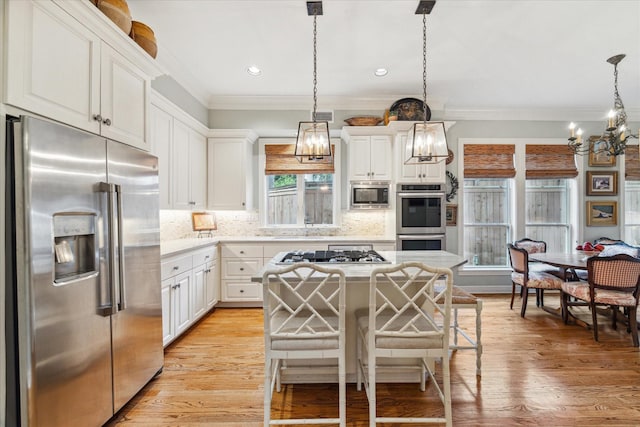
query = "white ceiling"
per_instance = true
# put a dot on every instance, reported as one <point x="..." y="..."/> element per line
<point x="512" y="57"/>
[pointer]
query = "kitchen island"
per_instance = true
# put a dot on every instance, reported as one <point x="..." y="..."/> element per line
<point x="357" y="296"/>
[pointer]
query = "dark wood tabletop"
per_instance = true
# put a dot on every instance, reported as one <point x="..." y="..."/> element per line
<point x="576" y="260"/>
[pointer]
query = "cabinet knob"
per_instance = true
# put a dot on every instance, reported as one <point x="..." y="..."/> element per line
<point x="242" y="203"/>
<point x="241" y="291"/>
<point x="97" y="117"/>
<point x="241" y="252"/>
<point x="176" y="268"/>
<point x="107" y="122"/>
<point x="241" y="268"/>
<point x="206" y="257"/>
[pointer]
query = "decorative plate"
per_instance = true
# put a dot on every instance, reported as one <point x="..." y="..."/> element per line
<point x="449" y="156"/>
<point x="411" y="109"/>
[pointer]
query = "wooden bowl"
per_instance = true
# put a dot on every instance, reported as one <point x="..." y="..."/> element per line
<point x="143" y="35"/>
<point x="117" y="11"/>
<point x="364" y="121"/>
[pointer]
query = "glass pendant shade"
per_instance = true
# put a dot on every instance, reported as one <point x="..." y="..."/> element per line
<point x="426" y="142"/>
<point x="313" y="143"/>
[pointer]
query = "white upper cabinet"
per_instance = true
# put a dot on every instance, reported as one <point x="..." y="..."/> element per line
<point x="428" y="172"/>
<point x="370" y="156"/>
<point x="61" y="69"/>
<point x="178" y="141"/>
<point x="230" y="170"/>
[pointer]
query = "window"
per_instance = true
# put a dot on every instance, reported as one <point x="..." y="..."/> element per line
<point x="296" y="194"/>
<point x="632" y="195"/>
<point x="487" y="199"/>
<point x="299" y="199"/>
<point x="547" y="212"/>
<point x="487" y="221"/>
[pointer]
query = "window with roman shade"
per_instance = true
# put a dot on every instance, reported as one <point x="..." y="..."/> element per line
<point x="489" y="161"/>
<point x="632" y="163"/>
<point x="280" y="160"/>
<point x="549" y="162"/>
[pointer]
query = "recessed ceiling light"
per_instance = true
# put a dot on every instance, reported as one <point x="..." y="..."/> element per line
<point x="254" y="71"/>
<point x="381" y="72"/>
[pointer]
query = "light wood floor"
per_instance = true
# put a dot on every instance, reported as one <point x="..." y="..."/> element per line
<point x="536" y="371"/>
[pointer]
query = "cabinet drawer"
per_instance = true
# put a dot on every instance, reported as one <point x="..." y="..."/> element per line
<point x="204" y="256"/>
<point x="177" y="265"/>
<point x="242" y="251"/>
<point x="245" y="267"/>
<point x="243" y="291"/>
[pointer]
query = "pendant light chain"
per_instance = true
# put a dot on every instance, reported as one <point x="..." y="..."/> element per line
<point x="424" y="67"/>
<point x="315" y="66"/>
<point x="621" y="115"/>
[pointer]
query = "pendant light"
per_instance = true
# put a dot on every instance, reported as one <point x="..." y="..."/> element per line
<point x="426" y="141"/>
<point x="312" y="143"/>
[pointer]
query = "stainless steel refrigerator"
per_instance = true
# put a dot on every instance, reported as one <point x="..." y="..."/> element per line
<point x="84" y="324"/>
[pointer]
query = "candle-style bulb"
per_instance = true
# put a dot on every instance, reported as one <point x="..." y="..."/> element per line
<point x="572" y="129"/>
<point x="579" y="136"/>
<point x="612" y="116"/>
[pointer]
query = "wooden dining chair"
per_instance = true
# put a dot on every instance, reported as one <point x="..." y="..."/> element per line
<point x="407" y="320"/>
<point x="304" y="318"/>
<point x="611" y="281"/>
<point x="521" y="276"/>
<point x="536" y="247"/>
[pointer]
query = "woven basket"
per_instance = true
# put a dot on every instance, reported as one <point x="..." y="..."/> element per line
<point x="117" y="11"/>
<point x="143" y="35"/>
<point x="364" y="121"/>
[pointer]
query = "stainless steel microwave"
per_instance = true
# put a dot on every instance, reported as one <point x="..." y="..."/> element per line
<point x="370" y="194"/>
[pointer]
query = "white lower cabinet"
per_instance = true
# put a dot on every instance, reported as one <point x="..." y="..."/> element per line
<point x="240" y="262"/>
<point x="189" y="290"/>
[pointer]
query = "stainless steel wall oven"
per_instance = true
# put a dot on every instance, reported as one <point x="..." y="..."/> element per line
<point x="420" y="216"/>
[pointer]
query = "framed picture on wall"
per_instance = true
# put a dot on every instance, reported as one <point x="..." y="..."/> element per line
<point x="598" y="156"/>
<point x="452" y="215"/>
<point x="602" y="183"/>
<point x="602" y="213"/>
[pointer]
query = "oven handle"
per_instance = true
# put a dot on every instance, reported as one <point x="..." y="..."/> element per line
<point x="420" y="195"/>
<point x="420" y="236"/>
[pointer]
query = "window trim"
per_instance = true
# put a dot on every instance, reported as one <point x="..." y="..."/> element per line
<point x="262" y="188"/>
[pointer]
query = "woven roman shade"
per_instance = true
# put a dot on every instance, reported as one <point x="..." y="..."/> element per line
<point x="632" y="163"/>
<point x="489" y="161"/>
<point x="550" y="162"/>
<point x="280" y="160"/>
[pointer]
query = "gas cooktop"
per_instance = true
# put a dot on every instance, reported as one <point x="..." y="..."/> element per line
<point x="334" y="257"/>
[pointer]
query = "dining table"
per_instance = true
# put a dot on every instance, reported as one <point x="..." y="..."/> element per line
<point x="568" y="263"/>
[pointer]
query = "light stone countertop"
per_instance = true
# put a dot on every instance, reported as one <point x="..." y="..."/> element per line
<point x="174" y="247"/>
<point x="361" y="272"/>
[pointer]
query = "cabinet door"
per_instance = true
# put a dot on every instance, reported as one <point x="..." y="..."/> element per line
<point x="53" y="64"/>
<point x="227" y="180"/>
<point x="406" y="173"/>
<point x="381" y="156"/>
<point x="167" y="312"/>
<point x="211" y="284"/>
<point x="161" y="134"/>
<point x="434" y="172"/>
<point x="198" y="169"/>
<point x="359" y="158"/>
<point x="124" y="100"/>
<point x="180" y="175"/>
<point x="198" y="291"/>
<point x="181" y="302"/>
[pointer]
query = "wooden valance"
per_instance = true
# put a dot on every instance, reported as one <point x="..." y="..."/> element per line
<point x="280" y="160"/>
<point x="489" y="161"/>
<point x="632" y="163"/>
<point x="550" y="162"/>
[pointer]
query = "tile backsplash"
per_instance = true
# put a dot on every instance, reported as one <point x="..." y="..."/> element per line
<point x="176" y="224"/>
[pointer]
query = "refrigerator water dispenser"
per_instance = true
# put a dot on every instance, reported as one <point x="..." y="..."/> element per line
<point x="74" y="246"/>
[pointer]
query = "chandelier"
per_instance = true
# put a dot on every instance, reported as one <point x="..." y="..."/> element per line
<point x="313" y="143"/>
<point x="428" y="140"/>
<point x="614" y="139"/>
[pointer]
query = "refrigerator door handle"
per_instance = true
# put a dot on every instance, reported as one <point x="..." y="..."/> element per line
<point x="121" y="283"/>
<point x="114" y="275"/>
